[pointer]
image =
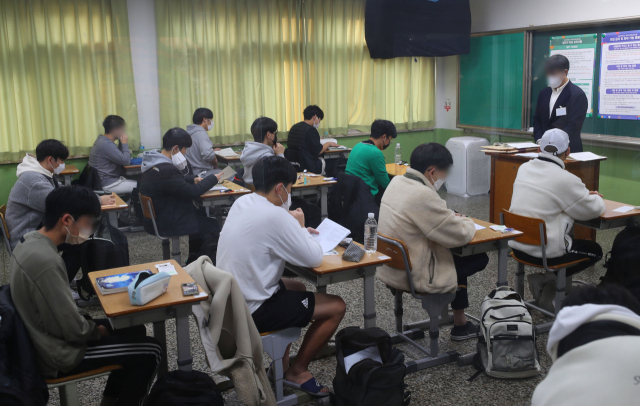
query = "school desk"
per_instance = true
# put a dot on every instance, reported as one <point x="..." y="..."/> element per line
<point x="504" y="168"/>
<point x="335" y="270"/>
<point x="216" y="198"/>
<point x="232" y="161"/>
<point x="316" y="185"/>
<point x="396" y="170"/>
<point x="611" y="218"/>
<point x="132" y="170"/>
<point x="335" y="153"/>
<point x="68" y="173"/>
<point x="112" y="210"/>
<point x="170" y="305"/>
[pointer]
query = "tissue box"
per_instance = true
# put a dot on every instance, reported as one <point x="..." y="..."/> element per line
<point x="147" y="286"/>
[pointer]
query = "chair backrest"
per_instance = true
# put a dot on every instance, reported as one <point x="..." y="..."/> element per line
<point x="534" y="230"/>
<point x="397" y="250"/>
<point x="147" y="207"/>
<point x="5" y="229"/>
<point x="251" y="187"/>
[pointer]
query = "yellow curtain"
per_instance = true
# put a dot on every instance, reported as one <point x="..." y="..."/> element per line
<point x="353" y="89"/>
<point x="240" y="58"/>
<point x="64" y="66"/>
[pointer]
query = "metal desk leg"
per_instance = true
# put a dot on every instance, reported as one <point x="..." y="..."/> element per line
<point x="502" y="264"/>
<point x="323" y="203"/>
<point x="321" y="289"/>
<point x="160" y="334"/>
<point x="67" y="180"/>
<point x="369" y="296"/>
<point x="113" y="219"/>
<point x="184" y="342"/>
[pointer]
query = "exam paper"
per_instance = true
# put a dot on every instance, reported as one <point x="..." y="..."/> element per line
<point x="330" y="234"/>
<point x="584" y="156"/>
<point x="529" y="154"/>
<point x="479" y="227"/>
<point x="219" y="187"/>
<point x="325" y="140"/>
<point x="520" y="145"/>
<point x="371" y="352"/>
<point x="227" y="152"/>
<point x="624" y="209"/>
<point x="228" y="172"/>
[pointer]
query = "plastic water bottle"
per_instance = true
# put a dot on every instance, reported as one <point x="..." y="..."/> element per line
<point x="326" y="135"/>
<point x="398" y="154"/>
<point x="371" y="234"/>
<point x="141" y="150"/>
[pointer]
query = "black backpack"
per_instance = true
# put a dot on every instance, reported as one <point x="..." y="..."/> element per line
<point x="188" y="388"/>
<point x="369" y="382"/>
<point x="623" y="259"/>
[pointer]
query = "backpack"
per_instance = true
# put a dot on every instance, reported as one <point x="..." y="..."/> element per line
<point x="369" y="382"/>
<point x="507" y="337"/>
<point x="188" y="388"/>
<point x="622" y="261"/>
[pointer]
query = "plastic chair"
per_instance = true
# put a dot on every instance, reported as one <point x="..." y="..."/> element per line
<point x="534" y="232"/>
<point x="149" y="212"/>
<point x="434" y="304"/>
<point x="275" y="343"/>
<point x="68" y="386"/>
<point x="5" y="229"/>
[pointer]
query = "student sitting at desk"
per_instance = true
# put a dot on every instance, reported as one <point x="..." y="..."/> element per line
<point x="544" y="189"/>
<point x="36" y="179"/>
<point x="303" y="142"/>
<point x="173" y="193"/>
<point x="366" y="160"/>
<point x="412" y="211"/>
<point x="202" y="155"/>
<point x="65" y="342"/>
<point x="258" y="238"/>
<point x="109" y="159"/>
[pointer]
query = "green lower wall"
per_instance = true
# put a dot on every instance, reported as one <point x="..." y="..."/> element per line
<point x="619" y="174"/>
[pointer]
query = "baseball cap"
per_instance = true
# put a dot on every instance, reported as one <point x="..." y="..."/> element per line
<point x="554" y="138"/>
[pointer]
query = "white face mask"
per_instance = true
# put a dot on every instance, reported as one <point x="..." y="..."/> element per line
<point x="82" y="236"/>
<point x="178" y="160"/>
<point x="316" y="125"/>
<point x="554" y="81"/>
<point x="437" y="183"/>
<point x="210" y="126"/>
<point x="58" y="170"/>
<point x="285" y="205"/>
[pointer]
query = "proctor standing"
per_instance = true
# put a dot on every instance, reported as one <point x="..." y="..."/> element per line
<point x="562" y="105"/>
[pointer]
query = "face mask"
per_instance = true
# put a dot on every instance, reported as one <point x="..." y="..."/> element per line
<point x="178" y="160"/>
<point x="554" y="81"/>
<point x="386" y="146"/>
<point x="285" y="205"/>
<point x="316" y="125"/>
<point x="210" y="126"/>
<point x="275" y="139"/>
<point x="82" y="236"/>
<point x="58" y="170"/>
<point x="437" y="183"/>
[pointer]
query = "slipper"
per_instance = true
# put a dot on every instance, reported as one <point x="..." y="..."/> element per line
<point x="311" y="387"/>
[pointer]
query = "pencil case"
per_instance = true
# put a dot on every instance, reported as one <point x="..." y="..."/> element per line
<point x="147" y="286"/>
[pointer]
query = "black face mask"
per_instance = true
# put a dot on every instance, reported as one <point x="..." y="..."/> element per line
<point x="386" y="146"/>
<point x="275" y="140"/>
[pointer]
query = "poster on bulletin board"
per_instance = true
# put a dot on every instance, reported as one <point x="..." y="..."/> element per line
<point x="581" y="52"/>
<point x="620" y="76"/>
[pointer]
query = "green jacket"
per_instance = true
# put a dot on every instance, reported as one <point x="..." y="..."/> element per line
<point x="41" y="295"/>
<point x="367" y="162"/>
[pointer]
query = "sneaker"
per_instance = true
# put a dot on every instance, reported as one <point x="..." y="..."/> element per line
<point x="461" y="333"/>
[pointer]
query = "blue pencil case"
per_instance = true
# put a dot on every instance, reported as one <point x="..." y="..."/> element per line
<point x="136" y="161"/>
<point x="147" y="286"/>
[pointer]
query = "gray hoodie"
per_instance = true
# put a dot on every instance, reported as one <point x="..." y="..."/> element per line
<point x="152" y="158"/>
<point x="251" y="153"/>
<point x="201" y="153"/>
<point x="109" y="159"/>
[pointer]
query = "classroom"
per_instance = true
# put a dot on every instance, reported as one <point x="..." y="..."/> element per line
<point x="319" y="202"/>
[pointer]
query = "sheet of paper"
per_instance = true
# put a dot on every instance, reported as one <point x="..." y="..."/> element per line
<point x="332" y="252"/>
<point x="383" y="257"/>
<point x="624" y="209"/>
<point x="220" y="187"/>
<point x="330" y="234"/>
<point x="325" y="140"/>
<point x="520" y="145"/>
<point x="584" y="156"/>
<point x="529" y="154"/>
<point x="227" y="152"/>
<point x="167" y="268"/>
<point x="479" y="227"/>
<point x="371" y="352"/>
<point x="228" y="172"/>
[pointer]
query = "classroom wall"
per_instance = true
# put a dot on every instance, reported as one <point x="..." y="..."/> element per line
<point x="497" y="15"/>
<point x="446" y="92"/>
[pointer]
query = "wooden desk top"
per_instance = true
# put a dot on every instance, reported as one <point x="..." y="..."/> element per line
<point x="487" y="234"/>
<point x="312" y="181"/>
<point x="70" y="170"/>
<point x="118" y="304"/>
<point x="520" y="158"/>
<point x="609" y="214"/>
<point x="396" y="170"/>
<point x="337" y="150"/>
<point x="132" y="166"/>
<point x="335" y="263"/>
<point x="228" y="158"/>
<point x="119" y="205"/>
<point x="236" y="191"/>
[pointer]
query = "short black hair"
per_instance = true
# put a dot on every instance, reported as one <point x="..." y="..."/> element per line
<point x="430" y="154"/>
<point x="74" y="200"/>
<point x="200" y="114"/>
<point x="269" y="171"/>
<point x="176" y="136"/>
<point x="53" y="148"/>
<point x="261" y="126"/>
<point x="311" y="111"/>
<point x="556" y="62"/>
<point x="382" y="127"/>
<point x="611" y="294"/>
<point x="112" y="122"/>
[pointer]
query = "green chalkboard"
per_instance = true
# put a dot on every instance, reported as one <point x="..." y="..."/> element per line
<point x="594" y="124"/>
<point x="491" y="82"/>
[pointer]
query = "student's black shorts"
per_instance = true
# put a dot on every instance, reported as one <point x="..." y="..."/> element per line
<point x="286" y="308"/>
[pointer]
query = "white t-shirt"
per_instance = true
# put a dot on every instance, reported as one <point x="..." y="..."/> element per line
<point x="555" y="93"/>
<point x="256" y="241"/>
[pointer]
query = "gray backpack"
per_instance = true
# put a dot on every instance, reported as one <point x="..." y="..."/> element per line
<point x="507" y="338"/>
